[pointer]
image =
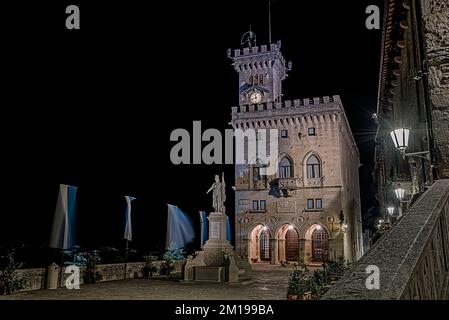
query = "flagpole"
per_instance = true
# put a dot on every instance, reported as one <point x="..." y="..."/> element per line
<point x="126" y="257"/>
<point x="62" y="266"/>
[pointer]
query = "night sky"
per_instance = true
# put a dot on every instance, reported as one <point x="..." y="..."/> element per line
<point x="95" y="107"/>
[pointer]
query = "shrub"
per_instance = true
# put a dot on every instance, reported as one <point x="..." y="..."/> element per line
<point x="304" y="285"/>
<point x="10" y="282"/>
<point x="88" y="259"/>
<point x="150" y="267"/>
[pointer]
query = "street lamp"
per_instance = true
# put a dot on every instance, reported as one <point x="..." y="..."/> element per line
<point x="344" y="227"/>
<point x="400" y="138"/>
<point x="399" y="192"/>
<point x="390" y="210"/>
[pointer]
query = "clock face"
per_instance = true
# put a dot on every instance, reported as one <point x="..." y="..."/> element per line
<point x="255" y="97"/>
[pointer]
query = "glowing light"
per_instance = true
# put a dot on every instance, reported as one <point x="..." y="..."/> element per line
<point x="318" y="227"/>
<point x="400" y="138"/>
<point x="399" y="192"/>
<point x="390" y="210"/>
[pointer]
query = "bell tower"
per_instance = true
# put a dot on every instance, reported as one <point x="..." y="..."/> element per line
<point x="261" y="70"/>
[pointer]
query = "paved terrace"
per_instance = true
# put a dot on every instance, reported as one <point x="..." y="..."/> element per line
<point x="268" y="282"/>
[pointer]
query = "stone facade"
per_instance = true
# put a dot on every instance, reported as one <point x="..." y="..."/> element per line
<point x="278" y="216"/>
<point x="413" y="94"/>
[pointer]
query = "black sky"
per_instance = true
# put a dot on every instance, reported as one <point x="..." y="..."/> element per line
<point x="95" y="107"/>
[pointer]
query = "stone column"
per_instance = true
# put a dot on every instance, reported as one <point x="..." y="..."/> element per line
<point x="274" y="251"/>
<point x="281" y="250"/>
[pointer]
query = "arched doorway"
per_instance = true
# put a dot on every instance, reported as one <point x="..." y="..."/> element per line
<point x="320" y="245"/>
<point x="259" y="245"/>
<point x="288" y="242"/>
<point x="292" y="245"/>
<point x="316" y="246"/>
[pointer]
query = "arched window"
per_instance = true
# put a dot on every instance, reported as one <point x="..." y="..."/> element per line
<point x="313" y="167"/>
<point x="261" y="79"/>
<point x="285" y="168"/>
<point x="250" y="81"/>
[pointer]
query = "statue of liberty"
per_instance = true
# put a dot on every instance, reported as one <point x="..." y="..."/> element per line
<point x="219" y="194"/>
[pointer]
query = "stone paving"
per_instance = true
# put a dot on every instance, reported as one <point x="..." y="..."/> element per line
<point x="268" y="282"/>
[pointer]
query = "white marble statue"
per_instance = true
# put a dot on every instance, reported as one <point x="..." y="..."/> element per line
<point x="219" y="194"/>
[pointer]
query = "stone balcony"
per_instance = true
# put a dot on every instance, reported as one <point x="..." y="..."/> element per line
<point x="314" y="182"/>
<point x="289" y="183"/>
<point x="260" y="185"/>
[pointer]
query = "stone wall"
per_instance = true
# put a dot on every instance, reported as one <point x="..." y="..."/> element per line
<point x="435" y="17"/>
<point x="35" y="278"/>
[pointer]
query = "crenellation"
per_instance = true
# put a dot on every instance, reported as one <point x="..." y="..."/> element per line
<point x="306" y="102"/>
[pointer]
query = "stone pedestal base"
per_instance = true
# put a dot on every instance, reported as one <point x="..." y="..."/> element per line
<point x="217" y="261"/>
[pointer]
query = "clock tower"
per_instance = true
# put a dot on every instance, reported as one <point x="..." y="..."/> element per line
<point x="261" y="71"/>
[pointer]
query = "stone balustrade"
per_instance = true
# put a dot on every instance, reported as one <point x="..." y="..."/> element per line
<point x="413" y="257"/>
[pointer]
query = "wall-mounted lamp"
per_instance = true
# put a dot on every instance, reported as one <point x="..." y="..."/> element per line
<point x="399" y="192"/>
<point x="390" y="210"/>
<point x="400" y="139"/>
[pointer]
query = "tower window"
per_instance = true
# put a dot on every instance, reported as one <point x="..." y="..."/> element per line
<point x="263" y="205"/>
<point x="251" y="79"/>
<point x="312" y="132"/>
<point x="261" y="79"/>
<point x="284" y="134"/>
<point x="313" y="167"/>
<point x="319" y="203"/>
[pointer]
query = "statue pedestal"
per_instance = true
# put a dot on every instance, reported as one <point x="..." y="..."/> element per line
<point x="216" y="261"/>
<point x="217" y="245"/>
